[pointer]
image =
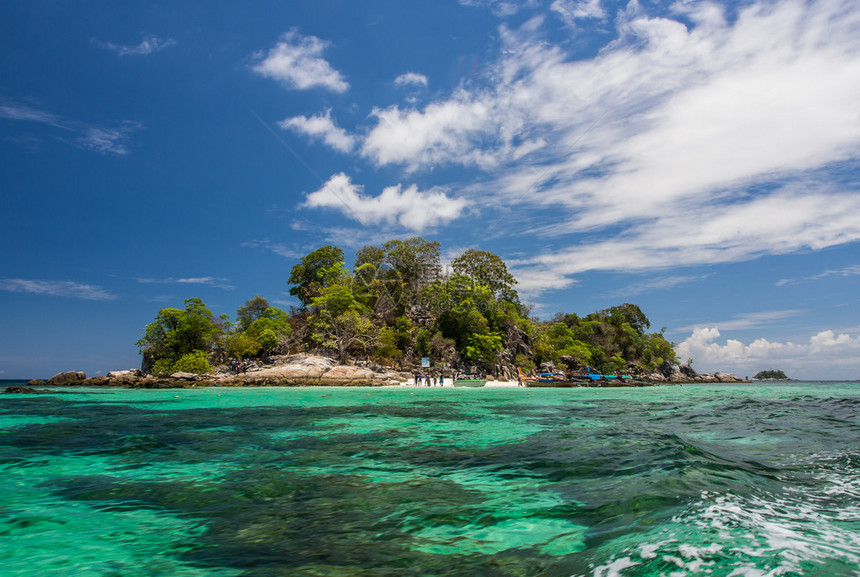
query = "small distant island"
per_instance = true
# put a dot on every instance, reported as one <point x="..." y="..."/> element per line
<point x="397" y="315"/>
<point x="770" y="375"/>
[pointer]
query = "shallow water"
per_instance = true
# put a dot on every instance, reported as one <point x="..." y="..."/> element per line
<point x="727" y="480"/>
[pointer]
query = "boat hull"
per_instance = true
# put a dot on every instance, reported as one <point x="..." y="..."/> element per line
<point x="470" y="383"/>
<point x="555" y="384"/>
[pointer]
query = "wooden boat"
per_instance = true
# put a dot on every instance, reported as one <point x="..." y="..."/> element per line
<point x="556" y="379"/>
<point x="468" y="381"/>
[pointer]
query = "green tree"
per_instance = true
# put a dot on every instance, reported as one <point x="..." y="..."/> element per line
<point x="341" y="332"/>
<point x="252" y="310"/>
<point x="176" y="332"/>
<point x="415" y="261"/>
<point x="313" y="272"/>
<point x="489" y="270"/>
<point x="241" y="345"/>
<point x="271" y="329"/>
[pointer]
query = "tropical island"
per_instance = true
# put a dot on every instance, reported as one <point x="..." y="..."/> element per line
<point x="394" y="309"/>
<point x="770" y="375"/>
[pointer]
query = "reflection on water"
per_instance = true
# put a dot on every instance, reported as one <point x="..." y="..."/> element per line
<point x="721" y="480"/>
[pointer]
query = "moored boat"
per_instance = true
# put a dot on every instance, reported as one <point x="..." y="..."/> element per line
<point x="465" y="380"/>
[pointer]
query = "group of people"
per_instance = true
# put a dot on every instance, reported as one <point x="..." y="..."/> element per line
<point x="238" y="367"/>
<point x="429" y="380"/>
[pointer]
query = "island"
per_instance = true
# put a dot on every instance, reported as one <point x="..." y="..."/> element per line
<point x="395" y="315"/>
<point x="770" y="375"/>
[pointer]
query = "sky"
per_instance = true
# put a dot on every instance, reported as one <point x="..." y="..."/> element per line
<point x="698" y="159"/>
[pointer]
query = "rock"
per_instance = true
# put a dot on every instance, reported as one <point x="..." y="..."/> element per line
<point x="69" y="378"/>
<point x="347" y="376"/>
<point x="688" y="372"/>
<point x="125" y="374"/>
<point x="183" y="376"/>
<point x="15" y="390"/>
<point x="727" y="378"/>
<point x="36" y="383"/>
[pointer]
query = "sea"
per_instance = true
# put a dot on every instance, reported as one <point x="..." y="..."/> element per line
<point x="727" y="480"/>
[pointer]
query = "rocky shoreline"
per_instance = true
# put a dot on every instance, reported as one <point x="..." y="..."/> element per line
<point x="311" y="370"/>
<point x="293" y="371"/>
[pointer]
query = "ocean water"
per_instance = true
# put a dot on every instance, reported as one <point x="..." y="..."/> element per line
<point x="728" y="480"/>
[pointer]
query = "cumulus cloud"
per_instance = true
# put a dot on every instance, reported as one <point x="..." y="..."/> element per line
<point x="149" y="45"/>
<point x="441" y="132"/>
<point x="825" y="354"/>
<point x="297" y="63"/>
<point x="321" y="127"/>
<point x="69" y="289"/>
<point x="408" y="207"/>
<point x="411" y="79"/>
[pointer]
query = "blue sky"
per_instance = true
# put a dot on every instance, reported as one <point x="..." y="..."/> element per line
<point x="699" y="159"/>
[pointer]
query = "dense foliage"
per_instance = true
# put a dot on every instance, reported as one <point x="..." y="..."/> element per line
<point x="771" y="375"/>
<point x="396" y="306"/>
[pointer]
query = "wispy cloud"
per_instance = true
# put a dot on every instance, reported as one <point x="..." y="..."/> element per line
<point x="217" y="282"/>
<point x="501" y="8"/>
<point x="11" y="111"/>
<point x="69" y="289"/>
<point x="657" y="284"/>
<point x="149" y="45"/>
<point x="852" y="270"/>
<point x="108" y="140"/>
<point x="297" y="63"/>
<point x="321" y="126"/>
<point x="409" y="207"/>
<point x="572" y="10"/>
<point x="756" y="320"/>
<point x="277" y="248"/>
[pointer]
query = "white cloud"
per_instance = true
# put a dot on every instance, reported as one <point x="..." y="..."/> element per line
<point x="672" y="146"/>
<point x="749" y="321"/>
<point x="11" y="111"/>
<point x="440" y="133"/>
<point x="852" y="270"/>
<point x="296" y="61"/>
<point x="69" y="289"/>
<point x="217" y="282"/>
<point x="106" y="140"/>
<point x="657" y="284"/>
<point x="572" y="10"/>
<point x="149" y="45"/>
<point x="501" y="8"/>
<point x="411" y="79"/>
<point x="791" y="219"/>
<point x="825" y="355"/>
<point x="409" y="207"/>
<point x="321" y="126"/>
<point x="277" y="248"/>
<point x="101" y="139"/>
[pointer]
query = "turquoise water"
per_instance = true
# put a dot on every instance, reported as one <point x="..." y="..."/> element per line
<point x="728" y="480"/>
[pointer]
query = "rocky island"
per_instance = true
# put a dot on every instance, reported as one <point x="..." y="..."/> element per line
<point x="394" y="315"/>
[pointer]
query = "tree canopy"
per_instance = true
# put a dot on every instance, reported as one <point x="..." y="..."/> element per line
<point x="397" y="306"/>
